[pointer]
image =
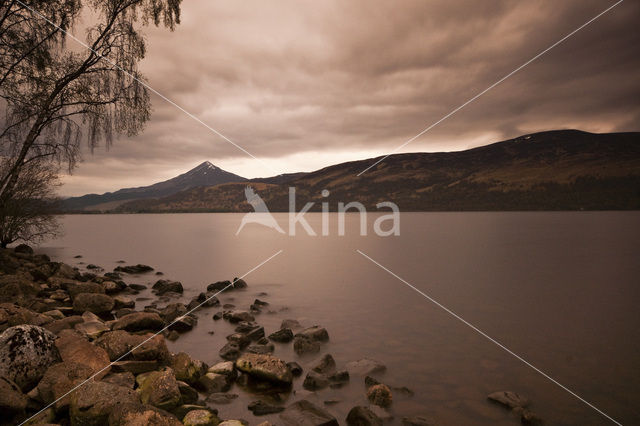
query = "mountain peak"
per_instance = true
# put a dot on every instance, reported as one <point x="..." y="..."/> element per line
<point x="205" y="165"/>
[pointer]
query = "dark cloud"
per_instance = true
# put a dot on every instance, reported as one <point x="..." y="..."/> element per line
<point x="306" y="84"/>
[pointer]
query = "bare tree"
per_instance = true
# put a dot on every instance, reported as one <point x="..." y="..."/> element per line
<point x="54" y="96"/>
<point x="29" y="215"/>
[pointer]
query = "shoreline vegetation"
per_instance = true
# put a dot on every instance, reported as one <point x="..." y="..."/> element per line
<point x="60" y="326"/>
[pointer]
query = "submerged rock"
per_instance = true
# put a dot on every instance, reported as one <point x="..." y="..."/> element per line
<point x="327" y="365"/>
<point x="315" y="381"/>
<point x="317" y="333"/>
<point x="365" y="366"/>
<point x="265" y="367"/>
<point x="26" y="352"/>
<point x="307" y="414"/>
<point x="303" y="345"/>
<point x="362" y="416"/>
<point x="261" y="408"/>
<point x="508" y="399"/>
<point x="284" y="335"/>
<point x="134" y="269"/>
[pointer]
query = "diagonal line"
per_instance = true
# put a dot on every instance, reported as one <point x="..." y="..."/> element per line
<point x="491" y="87"/>
<point x="82" y="43"/>
<point x="154" y="335"/>
<point x="482" y="333"/>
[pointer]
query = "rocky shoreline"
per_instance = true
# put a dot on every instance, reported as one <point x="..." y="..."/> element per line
<point x="75" y="350"/>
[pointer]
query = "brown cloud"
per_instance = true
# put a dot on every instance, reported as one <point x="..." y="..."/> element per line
<point x="291" y="80"/>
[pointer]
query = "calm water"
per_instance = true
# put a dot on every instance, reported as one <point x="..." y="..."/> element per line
<point x="560" y="289"/>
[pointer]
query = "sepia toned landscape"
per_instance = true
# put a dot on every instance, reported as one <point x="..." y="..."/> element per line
<point x="329" y="213"/>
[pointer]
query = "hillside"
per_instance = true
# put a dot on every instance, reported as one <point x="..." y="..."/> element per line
<point x="555" y="170"/>
<point x="205" y="174"/>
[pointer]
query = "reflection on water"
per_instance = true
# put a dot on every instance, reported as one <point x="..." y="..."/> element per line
<point x="561" y="289"/>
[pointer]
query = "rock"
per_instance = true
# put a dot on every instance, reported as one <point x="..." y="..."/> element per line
<point x="219" y="286"/>
<point x="221" y="398"/>
<point x="126" y="379"/>
<point x="232" y="423"/>
<point x="316" y="333"/>
<point x="303" y="345"/>
<point x="225" y="368"/>
<point x="380" y="395"/>
<point x="164" y="286"/>
<point x="365" y="366"/>
<point x="129" y="414"/>
<point x="160" y="389"/>
<point x="12" y="401"/>
<point x="508" y="399"/>
<point x="134" y="269"/>
<point x="189" y="394"/>
<point x="93" y="405"/>
<point x="173" y="311"/>
<point x="362" y="416"/>
<point x="265" y="367"/>
<point x="417" y="421"/>
<point x="173" y="335"/>
<point x="261" y="408"/>
<point x="254" y="333"/>
<point x="123" y="302"/>
<point x="74" y="289"/>
<point x="304" y="413"/>
<point x="259" y="302"/>
<point x="118" y="343"/>
<point x="214" y="383"/>
<point x="339" y="378"/>
<point x="64" y="324"/>
<point x="295" y="368"/>
<point x="183" y="324"/>
<point x="260" y="349"/>
<point x="66" y="271"/>
<point x="382" y="413"/>
<point x="137" y="287"/>
<point x="92" y="329"/>
<point x="239" y="339"/>
<point x="135" y="367"/>
<point x="73" y="347"/>
<point x="26" y="352"/>
<point x="55" y="314"/>
<point x="208" y="300"/>
<point x="59" y="379"/>
<point x="370" y="381"/>
<point x="527" y="417"/>
<point x="217" y="316"/>
<point x="237" y="316"/>
<point x="327" y="365"/>
<point x="200" y="418"/>
<point x="230" y="351"/>
<point x="315" y="381"/>
<point x="239" y="283"/>
<point x="23" y="248"/>
<point x="187" y="369"/>
<point x="284" y="335"/>
<point x="139" y="321"/>
<point x="17" y="289"/>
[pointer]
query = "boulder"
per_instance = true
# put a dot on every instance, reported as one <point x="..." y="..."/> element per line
<point x="261" y="408"/>
<point x="326" y="365"/>
<point x="12" y="401"/>
<point x="237" y="316"/>
<point x="92" y="329"/>
<point x="239" y="283"/>
<point x="265" y="367"/>
<point x="200" y="418"/>
<point x="74" y="348"/>
<point x="380" y="395"/>
<point x="189" y="394"/>
<point x="118" y="343"/>
<point x="362" y="416"/>
<point x="66" y="271"/>
<point x="261" y="349"/>
<point x="64" y="324"/>
<point x="133" y="269"/>
<point x="183" y="324"/>
<point x="304" y="413"/>
<point x="139" y="321"/>
<point x="295" y="368"/>
<point x="96" y="401"/>
<point x="219" y="286"/>
<point x="221" y="398"/>
<point x="76" y="288"/>
<point x="130" y="414"/>
<point x="317" y="333"/>
<point x="226" y="368"/>
<point x="303" y="345"/>
<point x="126" y="379"/>
<point x="165" y="286"/>
<point x="173" y="311"/>
<point x="23" y="248"/>
<point x="124" y="302"/>
<point x="214" y="383"/>
<point x="240" y="339"/>
<point x="509" y="399"/>
<point x="365" y="366"/>
<point x="26" y="352"/>
<point x="18" y="289"/>
<point x="93" y="302"/>
<point x="134" y="367"/>
<point x="230" y="351"/>
<point x="58" y="380"/>
<point x="160" y="389"/>
<point x="284" y="335"/>
<point x="187" y="369"/>
<point x="315" y="381"/>
<point x="417" y="421"/>
<point x="339" y="378"/>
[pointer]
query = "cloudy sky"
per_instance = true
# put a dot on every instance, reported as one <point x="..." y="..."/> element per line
<point x="305" y="84"/>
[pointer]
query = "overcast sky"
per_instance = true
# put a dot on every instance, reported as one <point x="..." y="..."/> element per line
<point x="306" y="84"/>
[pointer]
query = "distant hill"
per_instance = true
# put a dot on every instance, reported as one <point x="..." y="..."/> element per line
<point x="205" y="174"/>
<point x="554" y="170"/>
